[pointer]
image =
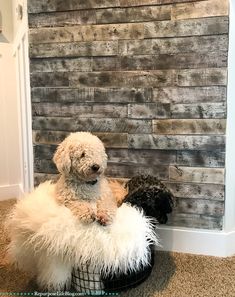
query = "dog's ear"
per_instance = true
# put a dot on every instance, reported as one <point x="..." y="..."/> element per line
<point x="62" y="158"/>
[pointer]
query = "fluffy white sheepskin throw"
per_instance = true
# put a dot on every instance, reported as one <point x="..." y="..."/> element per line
<point x="49" y="241"/>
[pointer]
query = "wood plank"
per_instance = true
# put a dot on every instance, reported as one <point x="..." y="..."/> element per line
<point x="87" y="33"/>
<point x="83" y="110"/>
<point x="35" y="6"/>
<point x="49" y="137"/>
<point x="143" y="157"/>
<point x="195" y="221"/>
<point x="191" y="27"/>
<point x="42" y="177"/>
<point x="44" y="138"/>
<point x="202" y="77"/>
<point x="61" y="19"/>
<point x="61" y="64"/>
<point x="192" y="95"/>
<point x="197" y="191"/>
<point x="93" y="125"/>
<point x="176" y="142"/>
<point x="63" y="95"/>
<point x="187" y="44"/>
<point x="148" y="110"/>
<point x="154" y="78"/>
<point x="189" y="126"/>
<point x="73" y="49"/>
<point x="173" y="61"/>
<point x="101" y="95"/>
<point x="200" y="9"/>
<point x="133" y="14"/>
<point x="105" y="63"/>
<point x="150" y="2"/>
<point x="204" y="207"/>
<point x="123" y="95"/>
<point x="199" y="110"/>
<point x="127" y="171"/>
<point x="201" y="158"/>
<point x="44" y="166"/>
<point x="196" y="174"/>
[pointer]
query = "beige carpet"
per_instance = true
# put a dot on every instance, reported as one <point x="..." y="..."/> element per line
<point x="174" y="274"/>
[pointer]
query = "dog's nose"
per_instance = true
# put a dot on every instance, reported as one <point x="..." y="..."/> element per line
<point x="95" y="167"/>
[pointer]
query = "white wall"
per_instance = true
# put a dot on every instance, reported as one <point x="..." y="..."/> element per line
<point x="11" y="166"/>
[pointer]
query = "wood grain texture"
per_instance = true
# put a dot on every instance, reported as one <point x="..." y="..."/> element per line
<point x="73" y="49"/>
<point x="191" y="27"/>
<point x="92" y="124"/>
<point x="197" y="190"/>
<point x="187" y="44"/>
<point x="195" y="221"/>
<point x="177" y="142"/>
<point x="213" y="208"/>
<point x="189" y="126"/>
<point x="87" y="33"/>
<point x="196" y="174"/>
<point x="150" y="2"/>
<point x="200" y="9"/>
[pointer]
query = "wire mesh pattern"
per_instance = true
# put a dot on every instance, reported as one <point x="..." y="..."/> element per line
<point x="92" y="283"/>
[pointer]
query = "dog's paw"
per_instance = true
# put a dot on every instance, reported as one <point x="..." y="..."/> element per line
<point x="104" y="218"/>
<point x="88" y="218"/>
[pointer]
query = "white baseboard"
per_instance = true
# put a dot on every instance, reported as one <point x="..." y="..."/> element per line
<point x="11" y="191"/>
<point x="195" y="241"/>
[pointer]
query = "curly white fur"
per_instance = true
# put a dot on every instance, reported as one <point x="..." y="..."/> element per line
<point x="48" y="240"/>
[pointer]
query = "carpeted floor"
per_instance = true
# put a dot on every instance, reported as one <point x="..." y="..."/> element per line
<point x="174" y="274"/>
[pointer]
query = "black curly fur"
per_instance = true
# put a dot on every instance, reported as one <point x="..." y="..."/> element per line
<point x="151" y="195"/>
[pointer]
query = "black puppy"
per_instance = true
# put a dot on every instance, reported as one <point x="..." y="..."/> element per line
<point x="151" y="195"/>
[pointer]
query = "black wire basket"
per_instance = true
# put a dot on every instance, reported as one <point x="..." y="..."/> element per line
<point x="91" y="283"/>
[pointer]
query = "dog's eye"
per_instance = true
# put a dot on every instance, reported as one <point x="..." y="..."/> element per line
<point x="83" y="155"/>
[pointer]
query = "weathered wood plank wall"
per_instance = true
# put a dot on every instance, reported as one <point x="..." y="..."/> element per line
<point x="147" y="76"/>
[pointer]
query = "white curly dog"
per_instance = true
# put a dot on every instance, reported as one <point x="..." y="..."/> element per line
<point x="76" y="221"/>
<point x="82" y="187"/>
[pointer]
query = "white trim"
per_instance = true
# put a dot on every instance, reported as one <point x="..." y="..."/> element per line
<point x="194" y="241"/>
<point x="229" y="219"/>
<point x="10" y="191"/>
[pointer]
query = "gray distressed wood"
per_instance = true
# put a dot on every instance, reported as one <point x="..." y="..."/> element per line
<point x="173" y="61"/>
<point x="42" y="177"/>
<point x="127" y="171"/>
<point x="201" y="158"/>
<point x="197" y="191"/>
<point x="133" y="14"/>
<point x="43" y="138"/>
<point x="86" y="33"/>
<point x="63" y="95"/>
<point x="200" y="9"/>
<point x="192" y="95"/>
<point x="150" y="2"/>
<point x="199" y="111"/>
<point x="211" y="208"/>
<point x="176" y="142"/>
<point x="191" y="27"/>
<point x="35" y="6"/>
<point x="123" y="95"/>
<point x="187" y="44"/>
<point x="81" y="110"/>
<point x="189" y="126"/>
<point x="202" y="77"/>
<point x="143" y="157"/>
<point x="105" y="63"/>
<point x="148" y="110"/>
<point x="111" y="95"/>
<point x="92" y="125"/>
<point x="195" y="221"/>
<point x="61" y="64"/>
<point x="73" y="49"/>
<point x="61" y="19"/>
<point x="196" y="174"/>
<point x="155" y="78"/>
